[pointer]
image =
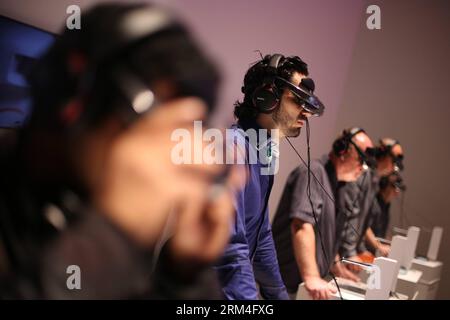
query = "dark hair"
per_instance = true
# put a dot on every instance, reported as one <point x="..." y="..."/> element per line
<point x="170" y="54"/>
<point x="245" y="110"/>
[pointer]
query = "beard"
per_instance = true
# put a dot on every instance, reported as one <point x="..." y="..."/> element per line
<point x="292" y="132"/>
<point x="286" y="123"/>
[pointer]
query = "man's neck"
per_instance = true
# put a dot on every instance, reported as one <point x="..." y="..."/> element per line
<point x="265" y="121"/>
<point x="336" y="164"/>
<point x="330" y="168"/>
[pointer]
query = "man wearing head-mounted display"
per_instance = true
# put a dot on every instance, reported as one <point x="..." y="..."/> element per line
<point x="389" y="155"/>
<point x="278" y="96"/>
<point x="387" y="158"/>
<point x="307" y="229"/>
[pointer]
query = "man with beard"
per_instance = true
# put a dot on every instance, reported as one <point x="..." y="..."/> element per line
<point x="276" y="92"/>
<point x="389" y="164"/>
<point x="365" y="209"/>
<point x="308" y="224"/>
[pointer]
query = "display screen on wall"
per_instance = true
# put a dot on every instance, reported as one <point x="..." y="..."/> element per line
<point x="20" y="46"/>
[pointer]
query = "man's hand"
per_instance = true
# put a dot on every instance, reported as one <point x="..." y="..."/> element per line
<point x="341" y="271"/>
<point x="353" y="267"/>
<point x="319" y="289"/>
<point x="384" y="249"/>
<point x="139" y="185"/>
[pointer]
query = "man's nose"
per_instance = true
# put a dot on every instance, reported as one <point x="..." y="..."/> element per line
<point x="305" y="113"/>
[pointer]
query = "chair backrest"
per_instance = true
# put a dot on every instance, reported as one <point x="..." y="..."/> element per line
<point x="435" y="242"/>
<point x="403" y="249"/>
<point x="410" y="253"/>
<point x="381" y="281"/>
<point x="397" y="253"/>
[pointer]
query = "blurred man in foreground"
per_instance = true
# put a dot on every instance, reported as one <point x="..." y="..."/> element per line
<point x="91" y="184"/>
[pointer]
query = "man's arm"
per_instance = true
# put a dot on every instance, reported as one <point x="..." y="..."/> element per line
<point x="349" y="206"/>
<point x="375" y="244"/>
<point x="304" y="244"/>
<point x="235" y="269"/>
<point x="377" y="216"/>
<point x="303" y="233"/>
<point x="265" y="264"/>
<point x="341" y="271"/>
<point x="235" y="273"/>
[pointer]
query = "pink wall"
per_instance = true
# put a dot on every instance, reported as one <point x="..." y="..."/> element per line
<point x="322" y="32"/>
<point x="392" y="81"/>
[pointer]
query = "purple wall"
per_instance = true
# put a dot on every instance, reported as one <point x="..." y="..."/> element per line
<point x="371" y="78"/>
<point x="398" y="86"/>
<point x="322" y="32"/>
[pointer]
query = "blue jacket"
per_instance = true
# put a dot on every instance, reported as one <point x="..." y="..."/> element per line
<point x="251" y="254"/>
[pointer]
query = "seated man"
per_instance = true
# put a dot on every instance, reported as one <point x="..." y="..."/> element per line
<point x="389" y="159"/>
<point x="390" y="188"/>
<point x="307" y="230"/>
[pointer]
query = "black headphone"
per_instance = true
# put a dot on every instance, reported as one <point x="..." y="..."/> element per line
<point x="133" y="26"/>
<point x="385" y="148"/>
<point x="384" y="182"/>
<point x="266" y="97"/>
<point x="341" y="145"/>
<point x="396" y="181"/>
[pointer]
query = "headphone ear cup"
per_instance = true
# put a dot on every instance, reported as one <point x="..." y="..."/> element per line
<point x="382" y="151"/>
<point x="265" y="100"/>
<point x="384" y="181"/>
<point x="337" y="147"/>
<point x="340" y="146"/>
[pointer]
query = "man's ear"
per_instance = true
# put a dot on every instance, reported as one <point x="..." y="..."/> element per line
<point x="344" y="154"/>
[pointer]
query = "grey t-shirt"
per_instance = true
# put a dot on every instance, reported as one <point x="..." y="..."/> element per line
<point x="380" y="221"/>
<point x="358" y="213"/>
<point x="294" y="203"/>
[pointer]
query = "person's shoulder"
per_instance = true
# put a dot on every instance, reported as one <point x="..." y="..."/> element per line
<point x="237" y="135"/>
<point x="316" y="166"/>
<point x="234" y="130"/>
<point x="367" y="179"/>
<point x="236" y="143"/>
